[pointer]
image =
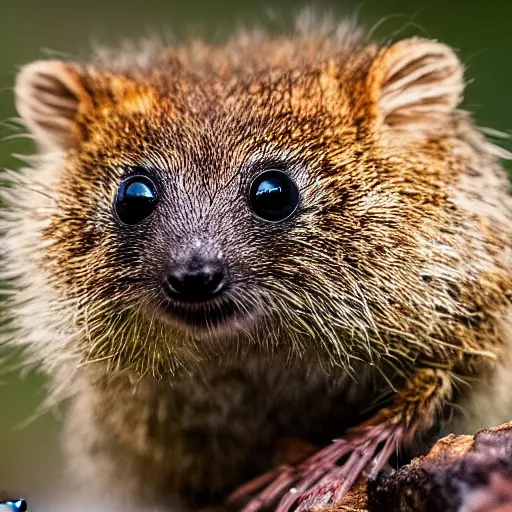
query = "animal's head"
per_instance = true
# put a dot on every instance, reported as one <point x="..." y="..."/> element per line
<point x="211" y="200"/>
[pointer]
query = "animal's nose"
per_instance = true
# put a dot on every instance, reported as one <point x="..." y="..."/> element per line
<point x="196" y="280"/>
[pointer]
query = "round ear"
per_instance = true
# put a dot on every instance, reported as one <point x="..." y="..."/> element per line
<point x="48" y="95"/>
<point x="417" y="84"/>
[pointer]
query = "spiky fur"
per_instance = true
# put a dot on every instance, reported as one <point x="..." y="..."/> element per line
<point x="398" y="259"/>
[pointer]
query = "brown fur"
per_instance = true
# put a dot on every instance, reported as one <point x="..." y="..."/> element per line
<point x="396" y="268"/>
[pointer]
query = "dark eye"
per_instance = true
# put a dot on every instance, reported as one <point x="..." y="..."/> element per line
<point x="135" y="199"/>
<point x="273" y="195"/>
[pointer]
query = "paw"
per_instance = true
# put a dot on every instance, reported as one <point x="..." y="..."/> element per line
<point x="319" y="481"/>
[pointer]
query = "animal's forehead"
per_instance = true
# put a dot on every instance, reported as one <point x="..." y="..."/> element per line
<point x="271" y="107"/>
<point x="264" y="93"/>
<point x="216" y="153"/>
<point x="217" y="121"/>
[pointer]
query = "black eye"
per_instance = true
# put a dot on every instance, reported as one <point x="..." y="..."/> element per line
<point x="135" y="199"/>
<point x="273" y="195"/>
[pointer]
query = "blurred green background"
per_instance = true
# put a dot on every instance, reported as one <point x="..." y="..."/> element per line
<point x="30" y="462"/>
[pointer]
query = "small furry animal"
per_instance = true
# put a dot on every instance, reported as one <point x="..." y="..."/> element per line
<point x="228" y="255"/>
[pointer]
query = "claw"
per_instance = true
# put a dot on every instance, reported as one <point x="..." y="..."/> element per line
<point x="368" y="456"/>
<point x="271" y="493"/>
<point x="317" y="480"/>
<point x="258" y="483"/>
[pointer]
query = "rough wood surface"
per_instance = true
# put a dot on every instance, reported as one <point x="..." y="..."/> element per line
<point x="459" y="474"/>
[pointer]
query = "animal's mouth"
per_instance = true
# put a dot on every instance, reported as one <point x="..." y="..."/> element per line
<point x="205" y="315"/>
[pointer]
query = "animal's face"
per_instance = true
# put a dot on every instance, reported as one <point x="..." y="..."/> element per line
<point x="215" y="206"/>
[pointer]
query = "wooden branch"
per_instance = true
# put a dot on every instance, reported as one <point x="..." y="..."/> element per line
<point x="459" y="474"/>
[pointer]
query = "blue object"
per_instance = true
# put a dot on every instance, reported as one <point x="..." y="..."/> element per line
<point x="13" y="506"/>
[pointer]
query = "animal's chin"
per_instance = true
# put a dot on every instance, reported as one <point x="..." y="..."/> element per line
<point x="206" y="317"/>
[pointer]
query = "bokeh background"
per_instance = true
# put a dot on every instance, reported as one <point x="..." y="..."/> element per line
<point x="30" y="460"/>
